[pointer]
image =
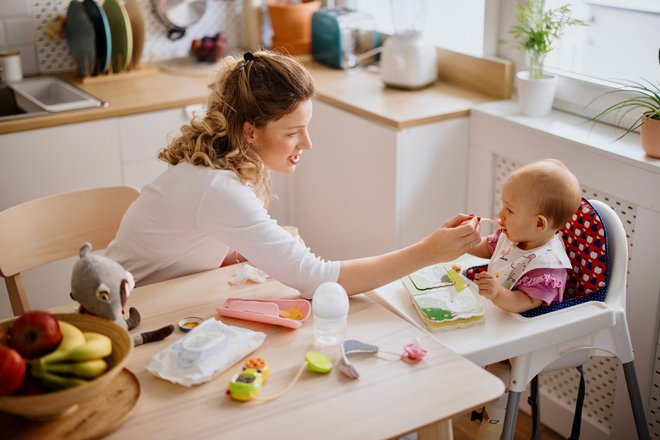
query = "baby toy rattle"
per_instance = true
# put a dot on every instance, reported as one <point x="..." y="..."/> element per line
<point x="247" y="384"/>
<point x="101" y="286"/>
<point x="412" y="353"/>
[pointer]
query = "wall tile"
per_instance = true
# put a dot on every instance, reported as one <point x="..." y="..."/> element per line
<point x="14" y="8"/>
<point x="20" y="31"/>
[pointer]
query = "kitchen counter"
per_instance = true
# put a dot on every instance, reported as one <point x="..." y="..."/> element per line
<point x="464" y="81"/>
<point x="361" y="91"/>
<point x="125" y="97"/>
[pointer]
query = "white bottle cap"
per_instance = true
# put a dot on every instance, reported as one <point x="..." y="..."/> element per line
<point x="330" y="301"/>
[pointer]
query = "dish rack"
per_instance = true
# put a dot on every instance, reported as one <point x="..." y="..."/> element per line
<point x="147" y="68"/>
<point x="105" y="40"/>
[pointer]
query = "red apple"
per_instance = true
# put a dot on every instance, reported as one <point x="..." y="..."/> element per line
<point x="35" y="333"/>
<point x="4" y="335"/>
<point x="31" y="387"/>
<point x="12" y="370"/>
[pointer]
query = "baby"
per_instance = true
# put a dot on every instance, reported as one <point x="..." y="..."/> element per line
<point x="528" y="263"/>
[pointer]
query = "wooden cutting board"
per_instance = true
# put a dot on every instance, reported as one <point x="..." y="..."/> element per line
<point x="136" y="17"/>
<point x="92" y="419"/>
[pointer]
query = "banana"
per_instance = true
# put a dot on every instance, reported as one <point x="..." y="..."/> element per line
<point x="72" y="336"/>
<point x="54" y="380"/>
<point x="83" y="369"/>
<point x="96" y="346"/>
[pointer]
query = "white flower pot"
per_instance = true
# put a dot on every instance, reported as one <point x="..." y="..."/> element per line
<point x="535" y="96"/>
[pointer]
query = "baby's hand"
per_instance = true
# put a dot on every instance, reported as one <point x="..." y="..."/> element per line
<point x="488" y="285"/>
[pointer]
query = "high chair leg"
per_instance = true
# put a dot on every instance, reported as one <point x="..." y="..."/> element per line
<point x="534" y="401"/>
<point x="636" y="401"/>
<point x="512" y="405"/>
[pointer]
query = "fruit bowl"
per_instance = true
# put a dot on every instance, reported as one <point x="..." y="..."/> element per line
<point x="57" y="403"/>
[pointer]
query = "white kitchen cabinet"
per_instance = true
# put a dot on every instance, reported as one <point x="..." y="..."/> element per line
<point x="47" y="161"/>
<point x="141" y="136"/>
<point x="367" y="188"/>
<point x="50" y="160"/>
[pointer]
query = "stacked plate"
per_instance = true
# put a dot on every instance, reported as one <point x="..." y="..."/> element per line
<point x="107" y="38"/>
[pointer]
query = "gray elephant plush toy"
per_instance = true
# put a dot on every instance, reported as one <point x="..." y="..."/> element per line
<point x="102" y="286"/>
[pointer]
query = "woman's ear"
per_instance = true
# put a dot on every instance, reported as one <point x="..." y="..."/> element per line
<point x="541" y="223"/>
<point x="248" y="132"/>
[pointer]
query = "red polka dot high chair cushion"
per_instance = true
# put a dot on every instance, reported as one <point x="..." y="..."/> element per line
<point x="585" y="240"/>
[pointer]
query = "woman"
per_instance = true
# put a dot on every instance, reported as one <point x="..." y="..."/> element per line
<point x="210" y="204"/>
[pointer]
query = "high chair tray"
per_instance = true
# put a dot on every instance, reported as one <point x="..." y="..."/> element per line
<point x="443" y="298"/>
<point x="284" y="312"/>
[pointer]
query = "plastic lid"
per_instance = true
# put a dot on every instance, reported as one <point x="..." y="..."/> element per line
<point x="318" y="362"/>
<point x="330" y="301"/>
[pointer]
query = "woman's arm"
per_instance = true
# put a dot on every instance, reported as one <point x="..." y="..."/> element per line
<point x="447" y="243"/>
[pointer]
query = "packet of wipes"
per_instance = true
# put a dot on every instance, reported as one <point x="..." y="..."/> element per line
<point x="207" y="350"/>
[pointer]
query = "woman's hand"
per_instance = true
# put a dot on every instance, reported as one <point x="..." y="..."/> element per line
<point x="453" y="238"/>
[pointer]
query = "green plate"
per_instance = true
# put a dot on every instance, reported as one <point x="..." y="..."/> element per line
<point x="122" y="35"/>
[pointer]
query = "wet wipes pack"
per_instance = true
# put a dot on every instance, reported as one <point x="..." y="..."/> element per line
<point x="207" y="350"/>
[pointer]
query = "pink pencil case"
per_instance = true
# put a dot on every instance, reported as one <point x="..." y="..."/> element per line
<point x="285" y="312"/>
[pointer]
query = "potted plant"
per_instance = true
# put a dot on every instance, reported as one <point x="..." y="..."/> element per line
<point x="536" y="30"/>
<point x="642" y="97"/>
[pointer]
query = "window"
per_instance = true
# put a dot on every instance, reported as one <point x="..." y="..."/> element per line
<point x="455" y="25"/>
<point x="621" y="42"/>
<point x="621" y="39"/>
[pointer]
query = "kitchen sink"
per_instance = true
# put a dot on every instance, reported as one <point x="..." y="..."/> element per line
<point x="9" y="109"/>
<point x="42" y="95"/>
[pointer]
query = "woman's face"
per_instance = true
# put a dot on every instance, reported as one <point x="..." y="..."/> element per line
<point x="280" y="143"/>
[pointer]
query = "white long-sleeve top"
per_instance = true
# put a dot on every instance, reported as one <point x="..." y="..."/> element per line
<point x="190" y="217"/>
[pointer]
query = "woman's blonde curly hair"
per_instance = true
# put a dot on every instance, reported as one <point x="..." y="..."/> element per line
<point x="263" y="87"/>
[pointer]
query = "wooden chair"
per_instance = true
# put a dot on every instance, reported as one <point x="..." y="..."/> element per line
<point x="51" y="228"/>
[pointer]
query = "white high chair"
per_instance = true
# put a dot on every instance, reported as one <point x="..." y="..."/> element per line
<point x="589" y="335"/>
<point x="559" y="339"/>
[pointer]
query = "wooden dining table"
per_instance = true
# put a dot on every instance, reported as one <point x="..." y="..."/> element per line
<point x="389" y="399"/>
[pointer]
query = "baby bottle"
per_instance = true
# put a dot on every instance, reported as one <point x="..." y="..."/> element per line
<point x="330" y="309"/>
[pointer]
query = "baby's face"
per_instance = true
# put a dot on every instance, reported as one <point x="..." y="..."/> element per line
<point x="518" y="215"/>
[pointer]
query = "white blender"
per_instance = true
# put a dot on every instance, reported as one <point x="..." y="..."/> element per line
<point x="407" y="60"/>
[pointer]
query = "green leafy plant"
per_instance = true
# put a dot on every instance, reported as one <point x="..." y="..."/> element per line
<point x="642" y="96"/>
<point x="537" y="29"/>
